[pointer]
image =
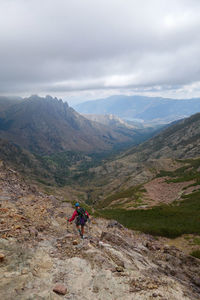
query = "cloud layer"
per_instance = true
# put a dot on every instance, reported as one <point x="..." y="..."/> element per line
<point x="102" y="47"/>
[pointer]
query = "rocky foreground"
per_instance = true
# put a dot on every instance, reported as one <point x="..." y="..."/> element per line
<point x="41" y="257"/>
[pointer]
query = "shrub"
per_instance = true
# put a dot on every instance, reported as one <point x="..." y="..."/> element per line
<point x="196" y="253"/>
<point x="164" y="220"/>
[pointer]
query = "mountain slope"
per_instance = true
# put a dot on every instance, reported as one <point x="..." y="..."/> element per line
<point x="148" y="109"/>
<point x="26" y="163"/>
<point x="142" y="163"/>
<point x="47" y="125"/>
<point x="180" y="140"/>
<point x="6" y="102"/>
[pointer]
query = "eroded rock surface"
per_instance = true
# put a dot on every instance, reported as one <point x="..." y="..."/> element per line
<point x="111" y="263"/>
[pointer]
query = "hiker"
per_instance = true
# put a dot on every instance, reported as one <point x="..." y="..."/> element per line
<point x="81" y="216"/>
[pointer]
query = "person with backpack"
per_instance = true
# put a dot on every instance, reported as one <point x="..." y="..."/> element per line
<point x="81" y="216"/>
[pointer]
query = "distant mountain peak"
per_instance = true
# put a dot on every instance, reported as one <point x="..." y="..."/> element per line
<point x="156" y="110"/>
<point x="45" y="99"/>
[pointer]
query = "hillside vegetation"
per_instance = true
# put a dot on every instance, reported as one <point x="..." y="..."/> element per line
<point x="171" y="220"/>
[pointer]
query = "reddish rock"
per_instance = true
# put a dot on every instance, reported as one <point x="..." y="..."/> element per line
<point x="2" y="257"/>
<point x="60" y="289"/>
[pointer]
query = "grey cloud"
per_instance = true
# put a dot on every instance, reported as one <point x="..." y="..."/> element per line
<point x="64" y="46"/>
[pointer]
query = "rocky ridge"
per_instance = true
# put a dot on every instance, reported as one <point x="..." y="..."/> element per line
<point x="48" y="125"/>
<point x="43" y="258"/>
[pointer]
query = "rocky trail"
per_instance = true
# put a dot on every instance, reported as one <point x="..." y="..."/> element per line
<point x="41" y="257"/>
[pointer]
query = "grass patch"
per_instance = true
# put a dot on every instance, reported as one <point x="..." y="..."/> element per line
<point x="196" y="241"/>
<point x="184" y="173"/>
<point x="196" y="253"/>
<point x="187" y="238"/>
<point x="134" y="193"/>
<point x="165" y="220"/>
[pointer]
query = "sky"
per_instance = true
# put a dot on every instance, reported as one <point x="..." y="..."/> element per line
<point x="87" y="49"/>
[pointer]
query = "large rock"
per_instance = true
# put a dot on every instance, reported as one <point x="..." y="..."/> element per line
<point x="115" y="224"/>
<point x="60" y="289"/>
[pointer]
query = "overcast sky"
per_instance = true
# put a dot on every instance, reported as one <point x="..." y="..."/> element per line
<point x="86" y="49"/>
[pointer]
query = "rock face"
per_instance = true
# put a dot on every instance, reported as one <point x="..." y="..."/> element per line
<point x="41" y="261"/>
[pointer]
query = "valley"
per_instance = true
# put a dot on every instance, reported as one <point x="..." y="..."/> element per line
<point x="141" y="187"/>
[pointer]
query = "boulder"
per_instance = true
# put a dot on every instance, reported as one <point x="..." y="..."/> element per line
<point x="60" y="289"/>
<point x="115" y="224"/>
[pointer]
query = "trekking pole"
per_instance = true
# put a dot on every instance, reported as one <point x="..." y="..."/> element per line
<point x="67" y="223"/>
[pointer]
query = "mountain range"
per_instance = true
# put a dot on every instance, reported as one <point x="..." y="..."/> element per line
<point x="44" y="137"/>
<point x="156" y="110"/>
<point x="48" y="125"/>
